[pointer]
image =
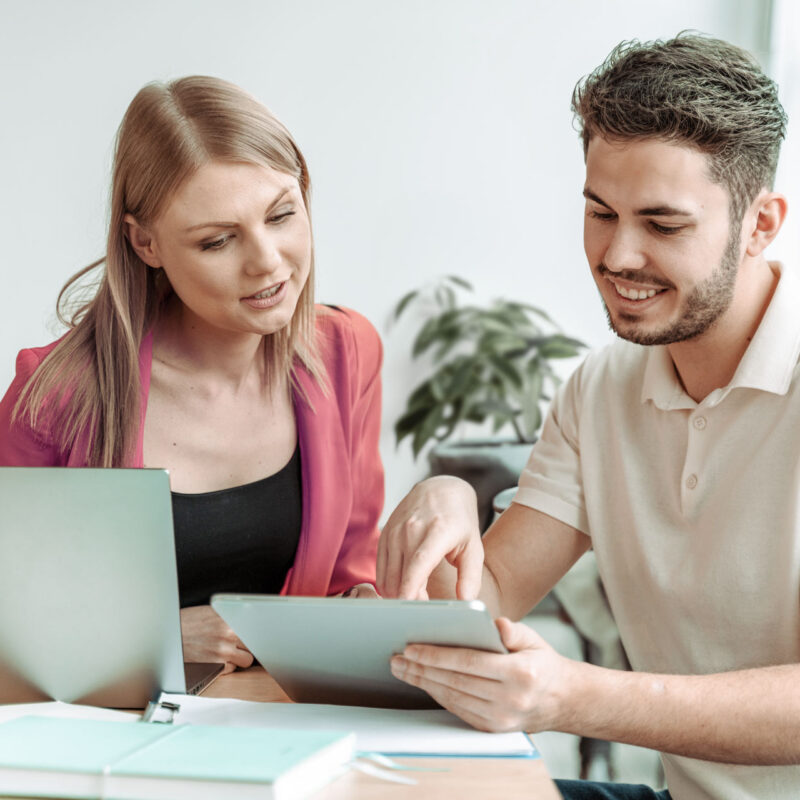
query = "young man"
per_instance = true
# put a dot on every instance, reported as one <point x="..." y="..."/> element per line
<point x="675" y="454"/>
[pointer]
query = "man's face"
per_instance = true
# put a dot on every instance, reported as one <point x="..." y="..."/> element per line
<point x="659" y="240"/>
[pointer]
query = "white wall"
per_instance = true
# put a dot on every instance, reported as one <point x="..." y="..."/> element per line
<point x="785" y="62"/>
<point x="438" y="134"/>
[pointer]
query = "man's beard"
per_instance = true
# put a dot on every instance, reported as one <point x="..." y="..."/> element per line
<point x="706" y="303"/>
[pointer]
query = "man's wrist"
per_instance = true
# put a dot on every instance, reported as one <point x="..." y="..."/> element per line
<point x="451" y="481"/>
<point x="575" y="692"/>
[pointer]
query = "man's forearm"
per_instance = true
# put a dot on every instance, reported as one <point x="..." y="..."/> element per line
<point x="743" y="717"/>
<point x="442" y="586"/>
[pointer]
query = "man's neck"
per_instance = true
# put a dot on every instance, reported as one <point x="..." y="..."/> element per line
<point x="709" y="362"/>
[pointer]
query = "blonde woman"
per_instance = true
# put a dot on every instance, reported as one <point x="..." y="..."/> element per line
<point x="202" y="352"/>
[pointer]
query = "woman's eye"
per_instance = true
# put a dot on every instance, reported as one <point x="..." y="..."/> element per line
<point x="282" y="217"/>
<point x="215" y="244"/>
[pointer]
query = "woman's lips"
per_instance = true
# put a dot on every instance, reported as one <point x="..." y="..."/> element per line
<point x="268" y="297"/>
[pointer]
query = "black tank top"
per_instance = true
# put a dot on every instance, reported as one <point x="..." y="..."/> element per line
<point x="242" y="539"/>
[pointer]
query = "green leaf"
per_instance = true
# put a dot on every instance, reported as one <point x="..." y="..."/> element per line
<point x="475" y="415"/>
<point x="535" y="371"/>
<point x="404" y="301"/>
<point x="558" y="348"/>
<point x="426" y="337"/>
<point x="461" y="378"/>
<point x="408" y="423"/>
<point x="577" y="343"/>
<point x="427" y="429"/>
<point x="459" y="282"/>
<point x="520" y="321"/>
<point x="451" y="318"/>
<point x="499" y="315"/>
<point x="421" y="396"/>
<point x="489" y="407"/>
<point x="499" y="421"/>
<point x="441" y="296"/>
<point x="449" y="340"/>
<point x="506" y="369"/>
<point x="531" y="410"/>
<point x="439" y="384"/>
<point x="494" y="322"/>
<point x="451" y="419"/>
<point x="534" y="310"/>
<point x="502" y="344"/>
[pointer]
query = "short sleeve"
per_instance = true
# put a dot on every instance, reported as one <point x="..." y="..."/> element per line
<point x="551" y="481"/>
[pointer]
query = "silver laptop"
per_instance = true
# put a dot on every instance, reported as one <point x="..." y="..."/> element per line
<point x="89" y="609"/>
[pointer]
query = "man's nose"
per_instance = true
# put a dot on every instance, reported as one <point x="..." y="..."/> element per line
<point x="625" y="250"/>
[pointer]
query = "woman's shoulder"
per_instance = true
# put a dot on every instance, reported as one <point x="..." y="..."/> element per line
<point x="29" y="359"/>
<point x="340" y="320"/>
<point x="347" y="335"/>
<point x="20" y="444"/>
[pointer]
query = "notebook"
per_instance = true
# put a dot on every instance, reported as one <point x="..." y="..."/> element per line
<point x="90" y="609"/>
<point x="41" y="757"/>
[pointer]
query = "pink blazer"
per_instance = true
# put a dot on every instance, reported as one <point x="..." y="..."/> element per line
<point x="342" y="475"/>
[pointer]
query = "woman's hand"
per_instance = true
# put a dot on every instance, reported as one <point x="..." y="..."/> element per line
<point x="437" y="519"/>
<point x="362" y="590"/>
<point x="521" y="690"/>
<point x="207" y="637"/>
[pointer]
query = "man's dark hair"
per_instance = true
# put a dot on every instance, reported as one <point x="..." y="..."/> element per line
<point x="691" y="90"/>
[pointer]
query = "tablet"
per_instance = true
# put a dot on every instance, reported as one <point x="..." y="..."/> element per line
<point x="337" y="650"/>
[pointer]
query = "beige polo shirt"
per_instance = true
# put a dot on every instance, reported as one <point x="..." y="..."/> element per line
<point x="694" y="514"/>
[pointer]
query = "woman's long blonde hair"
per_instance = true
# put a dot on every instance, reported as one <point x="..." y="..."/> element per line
<point x="90" y="381"/>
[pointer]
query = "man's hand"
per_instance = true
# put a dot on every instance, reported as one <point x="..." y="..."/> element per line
<point x="740" y="717"/>
<point x="206" y="637"/>
<point x="520" y="690"/>
<point x="437" y="519"/>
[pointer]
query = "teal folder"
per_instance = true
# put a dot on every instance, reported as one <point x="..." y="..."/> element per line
<point x="77" y="758"/>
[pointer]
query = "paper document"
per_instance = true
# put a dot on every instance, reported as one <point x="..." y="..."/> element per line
<point x="68" y="710"/>
<point x="396" y="732"/>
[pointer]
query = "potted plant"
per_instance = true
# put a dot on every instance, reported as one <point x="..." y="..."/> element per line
<point x="489" y="365"/>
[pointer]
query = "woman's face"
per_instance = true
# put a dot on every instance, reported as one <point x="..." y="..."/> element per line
<point x="235" y="243"/>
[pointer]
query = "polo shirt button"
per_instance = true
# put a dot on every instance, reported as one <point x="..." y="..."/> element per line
<point x="699" y="423"/>
<point x="691" y="481"/>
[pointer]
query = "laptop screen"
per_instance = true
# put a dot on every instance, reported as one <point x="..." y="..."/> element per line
<point x="89" y="606"/>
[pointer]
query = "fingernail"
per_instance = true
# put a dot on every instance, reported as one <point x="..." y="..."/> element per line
<point x="398" y="664"/>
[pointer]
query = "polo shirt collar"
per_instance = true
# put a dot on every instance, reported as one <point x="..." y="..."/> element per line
<point x="767" y="364"/>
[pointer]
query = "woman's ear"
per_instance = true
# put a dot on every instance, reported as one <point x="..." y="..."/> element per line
<point x="766" y="214"/>
<point x="141" y="241"/>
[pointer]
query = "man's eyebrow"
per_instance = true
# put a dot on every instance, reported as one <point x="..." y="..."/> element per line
<point x="590" y="195"/>
<point x="272" y="205"/>
<point x="651" y="211"/>
<point x="663" y="211"/>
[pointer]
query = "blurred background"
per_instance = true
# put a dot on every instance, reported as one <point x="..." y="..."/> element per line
<point x="438" y="134"/>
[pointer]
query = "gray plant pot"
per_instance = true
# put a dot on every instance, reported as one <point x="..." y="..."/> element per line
<point x="489" y="465"/>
